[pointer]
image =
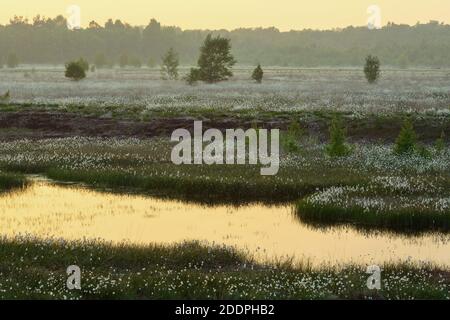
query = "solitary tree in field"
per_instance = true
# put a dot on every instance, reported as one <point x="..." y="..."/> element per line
<point x="215" y="61"/>
<point x="12" y="61"/>
<point x="75" y="71"/>
<point x="169" y="66"/>
<point x="258" y="74"/>
<point x="372" y="69"/>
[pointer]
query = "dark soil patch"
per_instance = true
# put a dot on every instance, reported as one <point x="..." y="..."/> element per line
<point x="41" y="124"/>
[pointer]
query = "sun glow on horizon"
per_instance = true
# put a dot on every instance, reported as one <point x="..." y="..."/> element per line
<point x="232" y="14"/>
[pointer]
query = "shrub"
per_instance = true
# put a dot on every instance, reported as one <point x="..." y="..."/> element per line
<point x="337" y="146"/>
<point x="258" y="74"/>
<point x="372" y="69"/>
<point x="406" y="142"/>
<point x="296" y="130"/>
<point x="193" y="76"/>
<point x="75" y="71"/>
<point x="289" y="143"/>
<point x="290" y="138"/>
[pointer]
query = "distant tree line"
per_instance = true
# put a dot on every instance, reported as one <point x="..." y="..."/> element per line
<point x="48" y="40"/>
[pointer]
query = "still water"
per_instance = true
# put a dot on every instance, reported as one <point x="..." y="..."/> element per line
<point x="74" y="212"/>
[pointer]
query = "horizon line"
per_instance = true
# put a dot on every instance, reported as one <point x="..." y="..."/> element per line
<point x="273" y="27"/>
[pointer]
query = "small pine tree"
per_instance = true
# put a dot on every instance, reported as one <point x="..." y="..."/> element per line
<point x="406" y="142"/>
<point x="169" y="66"/>
<point x="337" y="146"/>
<point x="193" y="76"/>
<point x="439" y="145"/>
<point x="372" y="69"/>
<point x="12" y="61"/>
<point x="296" y="130"/>
<point x="290" y="138"/>
<point x="258" y="74"/>
<point x="75" y="71"/>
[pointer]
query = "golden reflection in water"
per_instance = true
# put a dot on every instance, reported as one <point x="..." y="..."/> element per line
<point x="47" y="210"/>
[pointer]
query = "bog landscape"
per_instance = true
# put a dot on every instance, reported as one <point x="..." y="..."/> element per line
<point x="86" y="176"/>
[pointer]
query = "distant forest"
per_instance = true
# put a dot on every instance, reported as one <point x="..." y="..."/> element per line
<point x="48" y="41"/>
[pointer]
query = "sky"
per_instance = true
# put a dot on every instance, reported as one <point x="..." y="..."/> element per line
<point x="232" y="14"/>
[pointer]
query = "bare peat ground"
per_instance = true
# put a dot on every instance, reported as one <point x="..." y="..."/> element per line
<point x="50" y="124"/>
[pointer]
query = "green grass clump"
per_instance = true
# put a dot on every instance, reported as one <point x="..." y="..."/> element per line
<point x="9" y="181"/>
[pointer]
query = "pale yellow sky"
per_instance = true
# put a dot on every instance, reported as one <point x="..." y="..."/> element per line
<point x="231" y="14"/>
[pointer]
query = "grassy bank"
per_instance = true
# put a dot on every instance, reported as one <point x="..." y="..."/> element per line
<point x="399" y="203"/>
<point x="31" y="268"/>
<point x="207" y="188"/>
<point x="405" y="220"/>
<point x="372" y="187"/>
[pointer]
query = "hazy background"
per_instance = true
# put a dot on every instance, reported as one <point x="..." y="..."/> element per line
<point x="328" y="32"/>
<point x="231" y="14"/>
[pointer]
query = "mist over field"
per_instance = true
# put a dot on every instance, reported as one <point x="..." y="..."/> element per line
<point x="49" y="41"/>
<point x="157" y="162"/>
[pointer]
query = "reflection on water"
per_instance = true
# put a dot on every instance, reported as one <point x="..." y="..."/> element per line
<point x="268" y="232"/>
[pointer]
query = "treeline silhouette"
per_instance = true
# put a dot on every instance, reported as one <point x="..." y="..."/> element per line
<point x="49" y="41"/>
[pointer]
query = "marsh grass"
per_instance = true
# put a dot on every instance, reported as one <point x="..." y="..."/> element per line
<point x="10" y="181"/>
<point x="32" y="268"/>
<point x="206" y="188"/>
<point x="403" y="220"/>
